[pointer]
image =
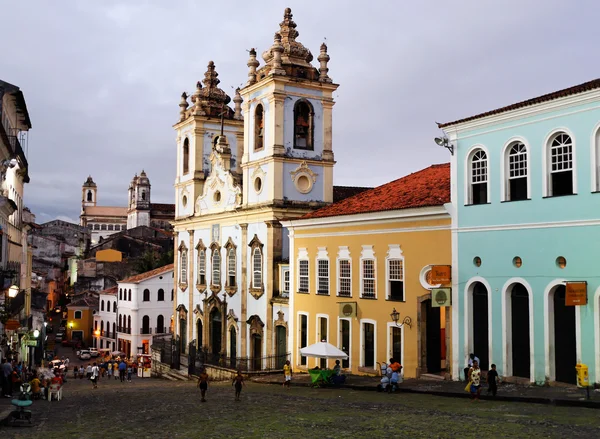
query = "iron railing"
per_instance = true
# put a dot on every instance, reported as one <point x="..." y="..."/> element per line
<point x="144" y="331"/>
<point x="124" y="329"/>
<point x="244" y="364"/>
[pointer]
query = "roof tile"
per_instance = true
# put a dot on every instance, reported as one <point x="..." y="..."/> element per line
<point x="147" y="275"/>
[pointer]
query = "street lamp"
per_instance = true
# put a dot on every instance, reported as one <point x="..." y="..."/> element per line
<point x="36" y="333"/>
<point x="13" y="291"/>
<point x="444" y="142"/>
<point x="70" y="325"/>
<point x="395" y="315"/>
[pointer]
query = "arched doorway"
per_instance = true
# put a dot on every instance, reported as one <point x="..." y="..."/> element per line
<point x="481" y="345"/>
<point x="182" y="335"/>
<point x="160" y="324"/>
<point x="232" y="347"/>
<point x="215" y="331"/>
<point x="433" y="337"/>
<point x="199" y="333"/>
<point x="256" y="352"/>
<point x="565" y="339"/>
<point x="520" y="339"/>
<point x="280" y="345"/>
<point x="146" y="325"/>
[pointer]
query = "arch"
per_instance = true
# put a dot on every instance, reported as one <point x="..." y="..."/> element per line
<point x="108" y="306"/>
<point x="146" y="325"/>
<point x="160" y="324"/>
<point x="258" y="128"/>
<point x="129" y="323"/>
<point x="90" y="196"/>
<point x="547" y="157"/>
<point x="550" y="317"/>
<point x="468" y="321"/>
<point x="216" y="266"/>
<point x="477" y="176"/>
<point x="146" y="295"/>
<point x="78" y="314"/>
<point x="186" y="156"/>
<point x="129" y="295"/>
<point x="160" y="295"/>
<point x="120" y="322"/>
<point x="201" y="281"/>
<point x="507" y="327"/>
<point x="595" y="158"/>
<point x="120" y="294"/>
<point x="215" y="330"/>
<point x="102" y="305"/>
<point x="114" y="335"/>
<point x="143" y="195"/>
<point x="199" y="333"/>
<point x="515" y="170"/>
<point x="233" y="354"/>
<point x="304" y="115"/>
<point x="115" y="306"/>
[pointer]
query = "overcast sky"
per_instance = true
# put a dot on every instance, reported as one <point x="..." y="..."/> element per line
<point x="103" y="79"/>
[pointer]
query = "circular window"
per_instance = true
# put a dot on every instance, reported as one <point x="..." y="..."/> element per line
<point x="561" y="262"/>
<point x="425" y="278"/>
<point x="184" y="201"/>
<point x="258" y="184"/>
<point x="477" y="261"/>
<point x="303" y="184"/>
<point x="517" y="262"/>
<point x="217" y="197"/>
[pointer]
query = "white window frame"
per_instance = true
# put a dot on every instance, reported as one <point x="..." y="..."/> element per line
<point x="468" y="187"/>
<point x="394" y="253"/>
<point x="339" y="339"/>
<point x="368" y="254"/>
<point x="322" y="257"/>
<point x="390" y="326"/>
<point x="362" y="342"/>
<point x="216" y="251"/>
<point x="75" y="314"/>
<point x="299" y="340"/>
<point x="201" y="265"/>
<point x="547" y="157"/>
<point x="343" y="255"/>
<point x="595" y="158"/>
<point x="318" y="338"/>
<point x="505" y="169"/>
<point x="257" y="272"/>
<point x="231" y="270"/>
<point x="303" y="256"/>
<point x="183" y="264"/>
<point x="284" y="271"/>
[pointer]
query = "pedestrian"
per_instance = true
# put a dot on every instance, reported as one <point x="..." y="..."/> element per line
<point x="95" y="374"/>
<point x="109" y="370"/>
<point x="122" y="369"/>
<point x="472" y="358"/>
<point x="492" y="380"/>
<point x="475" y="379"/>
<point x="81" y="372"/>
<point x="6" y="381"/>
<point x="287" y="374"/>
<point x="67" y="362"/>
<point x="88" y="371"/>
<point x="129" y="372"/>
<point x="238" y="382"/>
<point x="74" y="372"/>
<point x="203" y="384"/>
<point x="115" y="368"/>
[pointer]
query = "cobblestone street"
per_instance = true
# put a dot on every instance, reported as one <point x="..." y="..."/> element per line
<point x="151" y="408"/>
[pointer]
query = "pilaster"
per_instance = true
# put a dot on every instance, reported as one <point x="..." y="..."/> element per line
<point x="175" y="284"/>
<point x="274" y="232"/>
<point x="244" y="291"/>
<point x="192" y="286"/>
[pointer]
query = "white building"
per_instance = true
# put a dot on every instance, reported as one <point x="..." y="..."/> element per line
<point x="144" y="308"/>
<point x="105" y="320"/>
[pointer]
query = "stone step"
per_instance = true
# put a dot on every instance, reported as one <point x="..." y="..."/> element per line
<point x="432" y="377"/>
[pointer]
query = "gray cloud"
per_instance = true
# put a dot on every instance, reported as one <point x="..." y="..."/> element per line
<point x="103" y="79"/>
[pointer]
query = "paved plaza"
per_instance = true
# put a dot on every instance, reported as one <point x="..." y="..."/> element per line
<point x="152" y="408"/>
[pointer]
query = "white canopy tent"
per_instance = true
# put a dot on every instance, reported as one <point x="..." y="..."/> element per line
<point x="323" y="349"/>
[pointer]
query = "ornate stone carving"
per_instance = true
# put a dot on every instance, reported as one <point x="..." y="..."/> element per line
<point x="303" y="178"/>
<point x="256" y="325"/>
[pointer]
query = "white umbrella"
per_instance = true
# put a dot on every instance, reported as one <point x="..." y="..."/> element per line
<point x="323" y="349"/>
<point x="117" y="353"/>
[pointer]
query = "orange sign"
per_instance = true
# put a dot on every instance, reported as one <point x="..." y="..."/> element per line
<point x="441" y="274"/>
<point x="576" y="293"/>
<point x="11" y="325"/>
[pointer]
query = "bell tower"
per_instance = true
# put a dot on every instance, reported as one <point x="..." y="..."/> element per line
<point x="89" y="192"/>
<point x="138" y="212"/>
<point x="287" y="109"/>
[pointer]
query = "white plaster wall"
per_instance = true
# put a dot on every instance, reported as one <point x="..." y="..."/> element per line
<point x="267" y="180"/>
<point x="267" y="128"/>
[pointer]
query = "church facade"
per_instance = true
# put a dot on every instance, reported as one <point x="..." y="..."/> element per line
<point x="103" y="221"/>
<point x="240" y="173"/>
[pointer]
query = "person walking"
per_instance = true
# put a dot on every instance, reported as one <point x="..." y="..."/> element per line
<point x="492" y="380"/>
<point x="109" y="369"/>
<point x="88" y="371"/>
<point x="6" y="378"/>
<point x="95" y="375"/>
<point x="203" y="384"/>
<point x="81" y="372"/>
<point x="129" y="372"/>
<point x="122" y="369"/>
<point x="472" y="358"/>
<point x="287" y="374"/>
<point x="115" y="369"/>
<point x="238" y="382"/>
<point x="475" y="378"/>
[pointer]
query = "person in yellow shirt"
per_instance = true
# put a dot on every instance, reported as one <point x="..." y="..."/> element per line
<point x="35" y="387"/>
<point x="287" y="374"/>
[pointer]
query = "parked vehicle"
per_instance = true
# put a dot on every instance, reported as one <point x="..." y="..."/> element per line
<point x="59" y="337"/>
<point x="94" y="352"/>
<point x="56" y="364"/>
<point x="85" y="355"/>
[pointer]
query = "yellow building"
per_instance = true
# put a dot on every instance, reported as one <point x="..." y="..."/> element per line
<point x="80" y="319"/>
<point x="356" y="262"/>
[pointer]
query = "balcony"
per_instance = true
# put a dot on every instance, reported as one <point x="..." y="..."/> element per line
<point x="145" y="331"/>
<point x="159" y="330"/>
<point x="123" y="330"/>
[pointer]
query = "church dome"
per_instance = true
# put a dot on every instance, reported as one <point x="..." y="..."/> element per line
<point x="89" y="182"/>
<point x="294" y="52"/>
<point x="211" y="97"/>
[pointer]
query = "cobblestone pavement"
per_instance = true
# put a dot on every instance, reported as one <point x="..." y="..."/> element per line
<point x="152" y="408"/>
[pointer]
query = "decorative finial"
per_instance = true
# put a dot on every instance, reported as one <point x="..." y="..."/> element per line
<point x="198" y="111"/>
<point x="237" y="100"/>
<point x="277" y="49"/>
<point x="323" y="59"/>
<point x="252" y="65"/>
<point x="183" y="105"/>
<point x="210" y="77"/>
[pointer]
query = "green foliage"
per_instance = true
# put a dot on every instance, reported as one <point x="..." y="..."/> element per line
<point x="152" y="259"/>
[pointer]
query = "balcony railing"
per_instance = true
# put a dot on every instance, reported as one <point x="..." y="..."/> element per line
<point x="123" y="330"/>
<point x="159" y="330"/>
<point x="107" y="334"/>
<point x="145" y="330"/>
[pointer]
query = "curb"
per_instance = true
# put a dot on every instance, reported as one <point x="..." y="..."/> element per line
<point x="522" y="399"/>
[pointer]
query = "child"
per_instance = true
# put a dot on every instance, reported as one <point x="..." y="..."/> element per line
<point x="238" y="381"/>
<point x="287" y="374"/>
<point x="203" y="384"/>
<point x="129" y="372"/>
<point x="492" y="380"/>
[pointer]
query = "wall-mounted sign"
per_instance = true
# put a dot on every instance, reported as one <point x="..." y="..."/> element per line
<point x="347" y="309"/>
<point x="576" y="293"/>
<point x="441" y="297"/>
<point x="32" y="343"/>
<point x="12" y="325"/>
<point x="441" y="274"/>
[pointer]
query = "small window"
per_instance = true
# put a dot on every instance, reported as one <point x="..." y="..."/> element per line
<point x="146" y="297"/>
<point x="172" y="295"/>
<point x="216" y="266"/>
<point x="77" y="314"/>
<point x="114" y="307"/>
<point x="102" y="305"/>
<point x="120" y="294"/>
<point x="186" y="156"/>
<point x="345" y="279"/>
<point x="90" y="196"/>
<point x="396" y="279"/>
<point x="286" y="283"/>
<point x="256" y="268"/>
<point x="303" y="276"/>
<point x="143" y="196"/>
<point x="183" y="266"/>
<point x="161" y="295"/>
<point x="96" y="226"/>
<point x="258" y="128"/>
<point x="368" y="278"/>
<point x="479" y="178"/>
<point x="129" y="294"/>
<point x="231" y="268"/>
<point x="322" y="276"/>
<point x="108" y="306"/>
<point x="517" y="173"/>
<point x="561" y="166"/>
<point x="303" y="125"/>
<point x="103" y="227"/>
<point x="202" y="267"/>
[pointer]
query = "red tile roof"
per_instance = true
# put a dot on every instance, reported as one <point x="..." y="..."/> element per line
<point x="147" y="275"/>
<point x="342" y="192"/>
<point x="425" y="188"/>
<point x="586" y="86"/>
<point x="110" y="291"/>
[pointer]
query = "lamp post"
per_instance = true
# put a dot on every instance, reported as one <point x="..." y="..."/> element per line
<point x="395" y="315"/>
<point x="13" y="291"/>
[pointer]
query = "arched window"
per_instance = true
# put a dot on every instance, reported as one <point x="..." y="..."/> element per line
<point x="145" y="325"/>
<point x="129" y="295"/>
<point x="216" y="266"/>
<point x="143" y="195"/>
<point x="183" y="263"/>
<point x="478" y="178"/>
<point x="102" y="305"/>
<point x="146" y="295"/>
<point x="78" y="314"/>
<point x="160" y="324"/>
<point x="256" y="268"/>
<point x="120" y="322"/>
<point x="90" y="197"/>
<point x="560" y="165"/>
<point x="172" y="295"/>
<point x="114" y="307"/>
<point x="120" y="294"/>
<point x="231" y="269"/>
<point x="516" y="172"/>
<point x="303" y="125"/>
<point x="113" y="334"/>
<point x="161" y="295"/>
<point x="258" y="127"/>
<point x="199" y="333"/>
<point x="129" y="323"/>
<point x="186" y="156"/>
<point x="201" y="264"/>
<point x="107" y="306"/>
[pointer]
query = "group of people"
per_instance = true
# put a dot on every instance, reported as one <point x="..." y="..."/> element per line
<point x="473" y="377"/>
<point x="120" y="369"/>
<point x="12" y="375"/>
<point x="238" y="382"/>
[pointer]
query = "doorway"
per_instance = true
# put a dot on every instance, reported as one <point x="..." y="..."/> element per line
<point x="323" y="337"/>
<point x="565" y="340"/>
<point x="182" y="335"/>
<point x="256" y="352"/>
<point x="519" y="312"/>
<point x="215" y="331"/>
<point x="345" y="330"/>
<point x="481" y="345"/>
<point x="232" y="348"/>
<point x="396" y="344"/>
<point x="280" y="346"/>
<point x="369" y="345"/>
<point x="199" y="334"/>
<point x="433" y="338"/>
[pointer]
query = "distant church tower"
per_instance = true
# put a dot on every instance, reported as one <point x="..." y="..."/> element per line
<point x="138" y="212"/>
<point x="89" y="192"/>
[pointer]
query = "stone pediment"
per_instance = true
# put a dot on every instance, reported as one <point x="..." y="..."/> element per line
<point x="221" y="193"/>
